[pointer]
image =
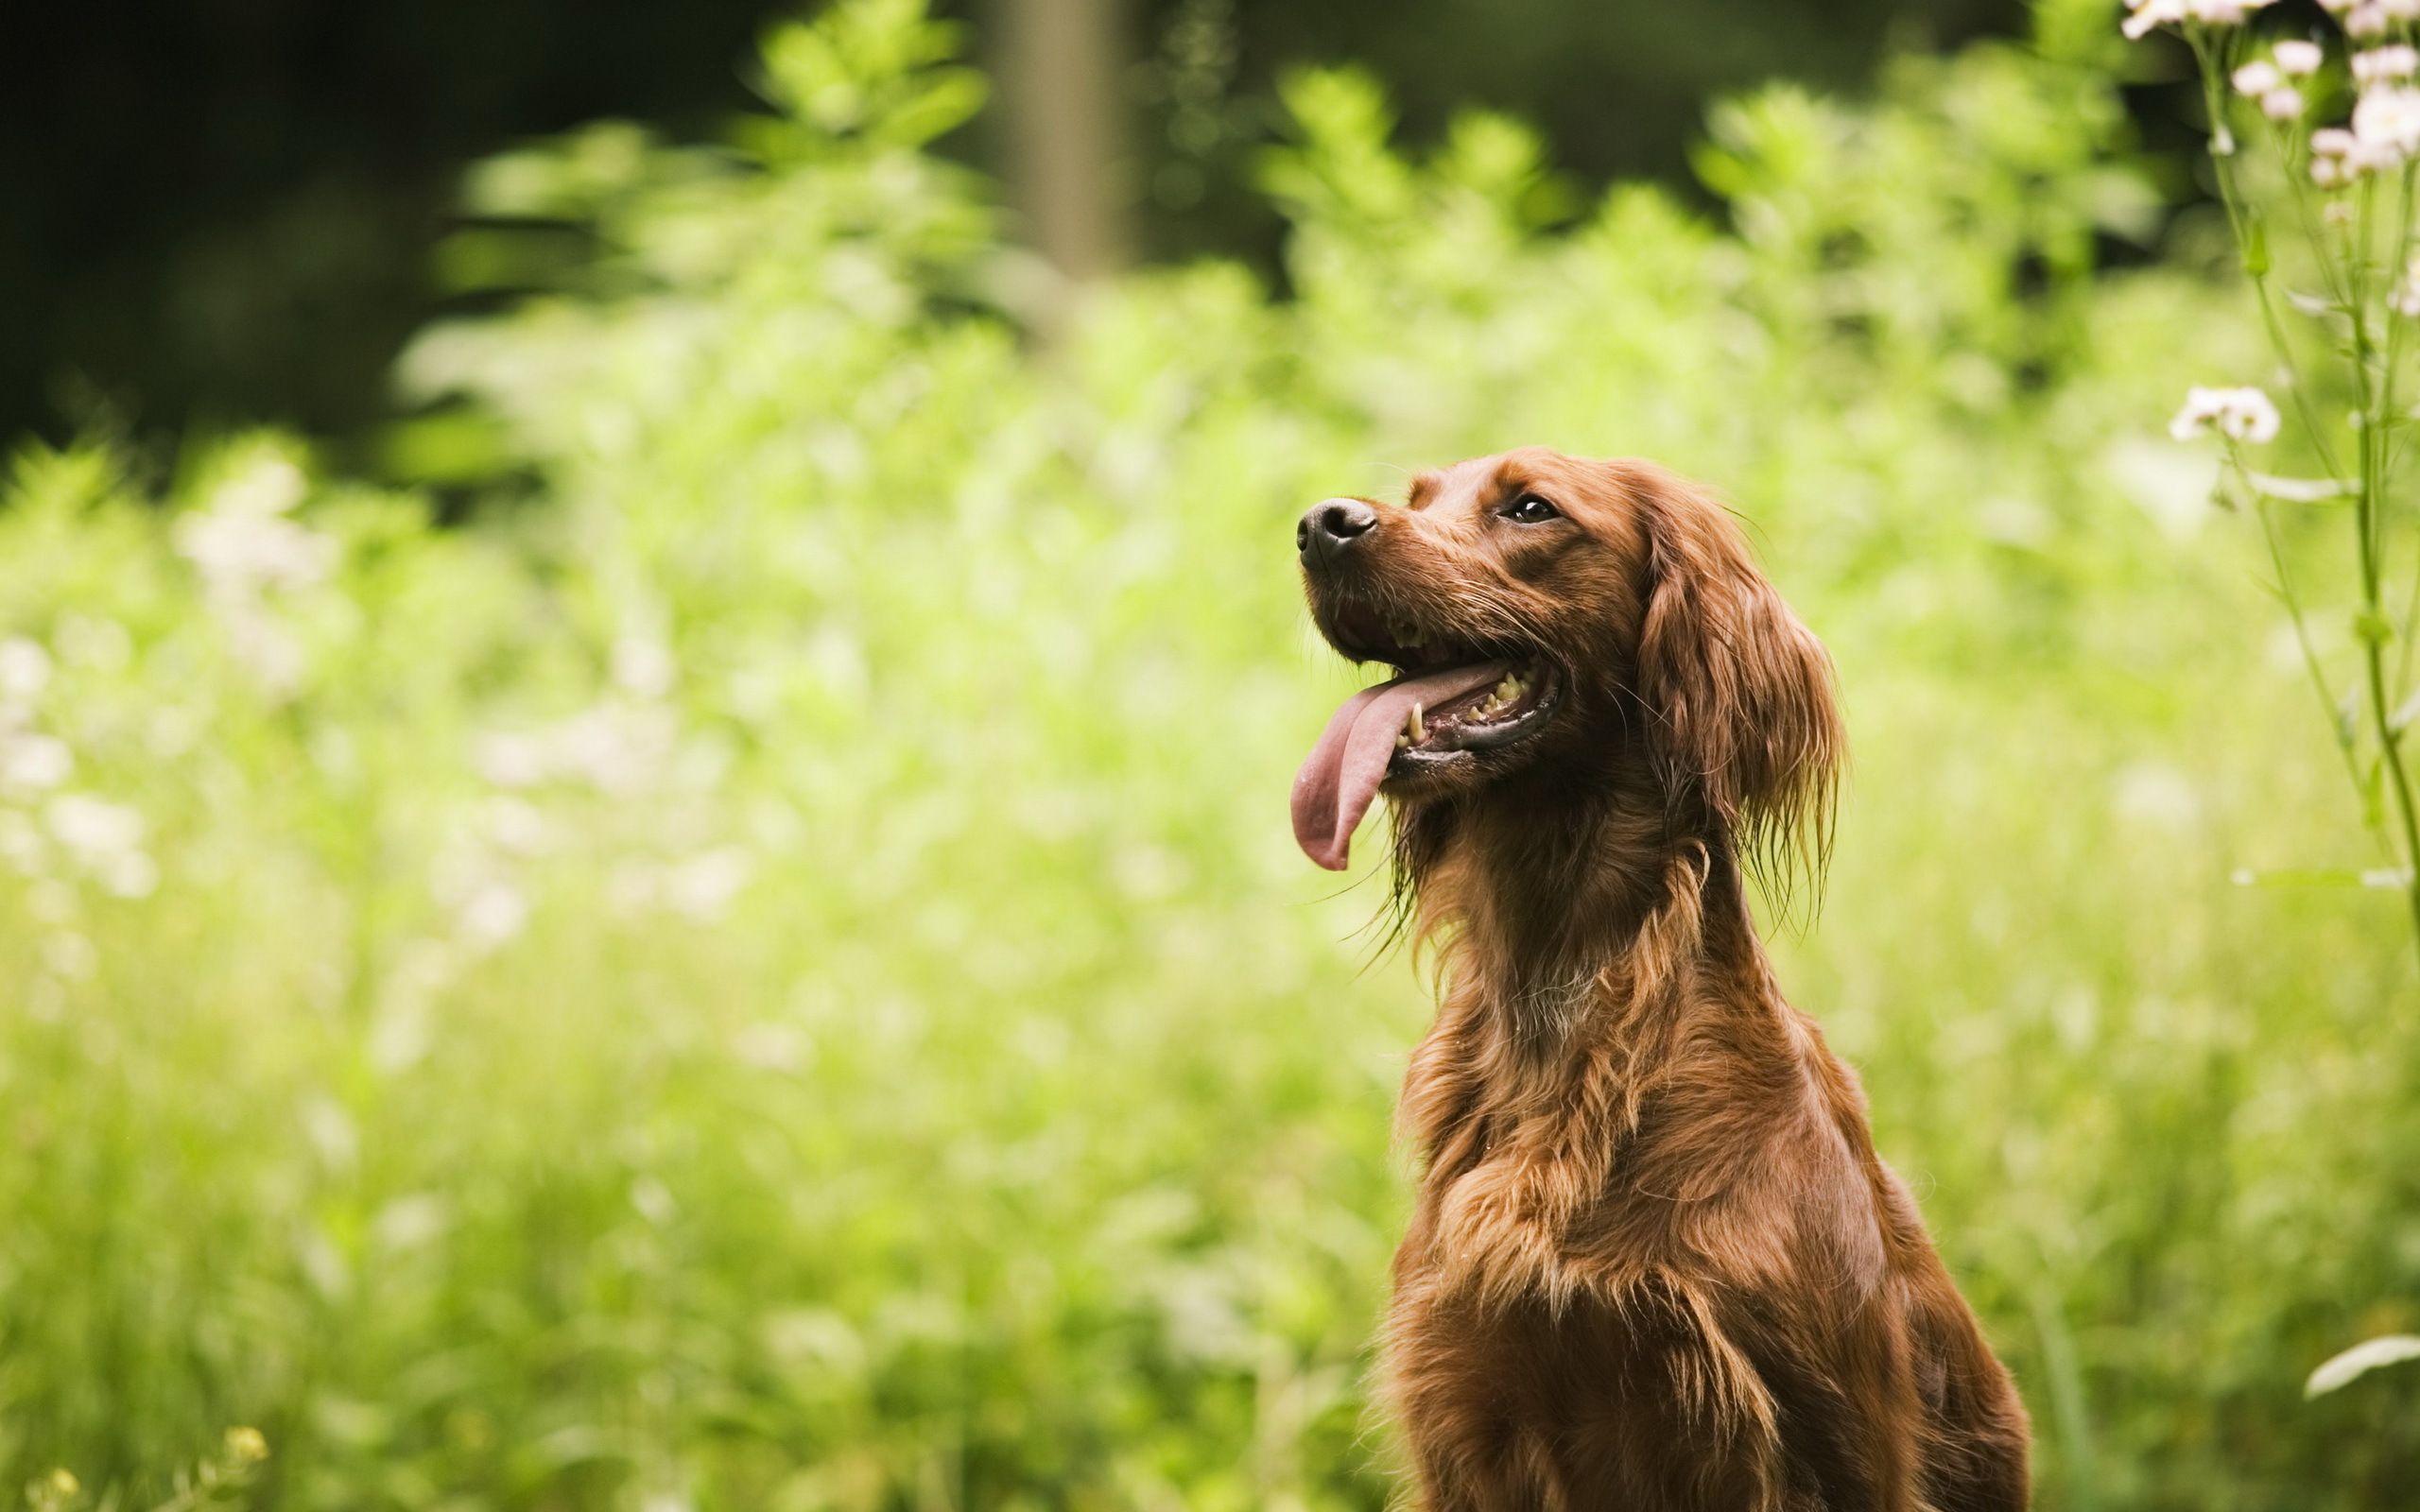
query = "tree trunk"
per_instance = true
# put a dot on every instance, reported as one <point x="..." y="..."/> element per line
<point x="1060" y="67"/>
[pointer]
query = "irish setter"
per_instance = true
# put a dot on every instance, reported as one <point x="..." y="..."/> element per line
<point x="1655" y="1262"/>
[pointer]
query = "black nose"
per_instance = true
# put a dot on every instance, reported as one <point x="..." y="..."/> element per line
<point x="1332" y="526"/>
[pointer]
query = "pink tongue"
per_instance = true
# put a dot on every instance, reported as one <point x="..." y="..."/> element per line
<point x="1341" y="776"/>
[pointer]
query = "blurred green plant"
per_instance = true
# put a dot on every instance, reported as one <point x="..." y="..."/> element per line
<point x="772" y="974"/>
<point x="2331" y="208"/>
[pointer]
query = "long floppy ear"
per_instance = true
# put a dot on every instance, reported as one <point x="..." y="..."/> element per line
<point x="1739" y="693"/>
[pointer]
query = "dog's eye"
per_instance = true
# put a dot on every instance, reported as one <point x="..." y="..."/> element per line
<point x="1528" y="510"/>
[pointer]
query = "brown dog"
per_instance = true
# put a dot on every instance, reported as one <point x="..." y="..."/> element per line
<point x="1656" y="1263"/>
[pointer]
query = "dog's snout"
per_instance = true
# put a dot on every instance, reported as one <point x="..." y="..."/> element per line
<point x="1332" y="526"/>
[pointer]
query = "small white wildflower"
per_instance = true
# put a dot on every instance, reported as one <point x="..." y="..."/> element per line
<point x="240" y="554"/>
<point x="2405" y="298"/>
<point x="2242" y="414"/>
<point x="2295" y="59"/>
<point x="2400" y="9"/>
<point x="2365" y="21"/>
<point x="2281" y="104"/>
<point x="25" y="669"/>
<point x="2257" y="78"/>
<point x="2386" y="126"/>
<point x="93" y="828"/>
<point x="703" y="886"/>
<point x="34" y="763"/>
<point x="2145" y="14"/>
<point x="644" y="666"/>
<point x="270" y="486"/>
<point x="517" y="825"/>
<point x="620" y="751"/>
<point x="129" y="874"/>
<point x="513" y="760"/>
<point x="493" y="914"/>
<point x="2397" y="62"/>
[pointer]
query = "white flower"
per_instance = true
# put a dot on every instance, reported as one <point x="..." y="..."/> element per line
<point x="2385" y="63"/>
<point x="704" y="886"/>
<point x="34" y="763"/>
<point x="270" y="486"/>
<point x="2242" y="414"/>
<point x="2365" y="21"/>
<point x="644" y="666"/>
<point x="2281" y="104"/>
<point x="2405" y="298"/>
<point x="2386" y="125"/>
<point x="2145" y="14"/>
<point x="107" y="838"/>
<point x="240" y="553"/>
<point x="2257" y="78"/>
<point x="619" y="748"/>
<point x="513" y="760"/>
<point x="92" y="827"/>
<point x="493" y="913"/>
<point x="619" y="751"/>
<point x="25" y="669"/>
<point x="2400" y="9"/>
<point x="2295" y="59"/>
<point x="517" y="825"/>
<point x="129" y="873"/>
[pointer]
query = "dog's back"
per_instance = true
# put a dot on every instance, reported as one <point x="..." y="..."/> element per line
<point x="1655" y="1262"/>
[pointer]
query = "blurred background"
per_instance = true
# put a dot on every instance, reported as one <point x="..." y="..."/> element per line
<point x="225" y="209"/>
<point x="650" y="664"/>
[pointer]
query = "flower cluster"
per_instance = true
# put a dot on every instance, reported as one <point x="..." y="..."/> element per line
<point x="2239" y="414"/>
<point x="2371" y="18"/>
<point x="30" y="761"/>
<point x="244" y="547"/>
<point x="2145" y="14"/>
<point x="2266" y="82"/>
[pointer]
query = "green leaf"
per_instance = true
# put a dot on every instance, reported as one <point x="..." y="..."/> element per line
<point x="2298" y="490"/>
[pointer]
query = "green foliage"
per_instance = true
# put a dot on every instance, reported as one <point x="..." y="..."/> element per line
<point x="774" y="975"/>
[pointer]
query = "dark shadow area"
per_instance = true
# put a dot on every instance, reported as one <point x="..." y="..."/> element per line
<point x="222" y="210"/>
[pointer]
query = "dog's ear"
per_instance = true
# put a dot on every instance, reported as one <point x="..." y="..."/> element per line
<point x="1738" y="695"/>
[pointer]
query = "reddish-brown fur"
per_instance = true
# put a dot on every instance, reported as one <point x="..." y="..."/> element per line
<point x="1655" y="1262"/>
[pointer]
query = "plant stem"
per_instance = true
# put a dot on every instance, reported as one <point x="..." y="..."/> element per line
<point x="2375" y="363"/>
<point x="2375" y="372"/>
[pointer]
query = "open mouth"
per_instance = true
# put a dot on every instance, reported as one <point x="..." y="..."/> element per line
<point x="1488" y="717"/>
<point x="1450" y="704"/>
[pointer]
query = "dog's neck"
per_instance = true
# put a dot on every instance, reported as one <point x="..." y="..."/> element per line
<point x="1552" y="894"/>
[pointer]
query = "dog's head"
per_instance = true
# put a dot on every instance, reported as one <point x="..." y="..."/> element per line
<point x="1542" y="610"/>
